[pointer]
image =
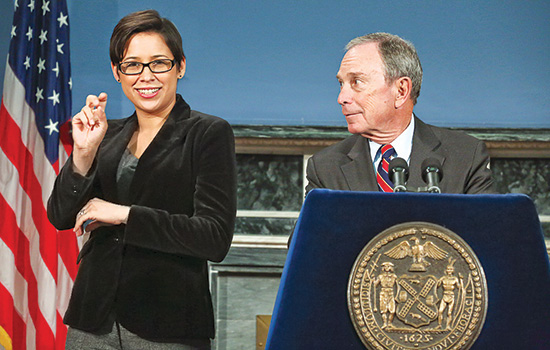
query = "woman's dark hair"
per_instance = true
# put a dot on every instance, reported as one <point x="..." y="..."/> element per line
<point x="145" y="21"/>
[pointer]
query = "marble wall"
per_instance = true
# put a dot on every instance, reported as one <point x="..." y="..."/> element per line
<point x="244" y="286"/>
<point x="275" y="183"/>
<point x="527" y="176"/>
<point x="268" y="183"/>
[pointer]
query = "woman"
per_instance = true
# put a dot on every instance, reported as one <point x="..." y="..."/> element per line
<point x="157" y="191"/>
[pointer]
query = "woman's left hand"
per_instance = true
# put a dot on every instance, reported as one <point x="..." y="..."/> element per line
<point x="101" y="213"/>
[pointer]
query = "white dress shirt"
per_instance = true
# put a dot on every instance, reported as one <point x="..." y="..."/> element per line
<point x="402" y="146"/>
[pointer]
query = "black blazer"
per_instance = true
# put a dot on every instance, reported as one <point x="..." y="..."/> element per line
<point x="347" y="165"/>
<point x="153" y="270"/>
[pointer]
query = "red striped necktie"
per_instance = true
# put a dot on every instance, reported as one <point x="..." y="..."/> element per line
<point x="384" y="182"/>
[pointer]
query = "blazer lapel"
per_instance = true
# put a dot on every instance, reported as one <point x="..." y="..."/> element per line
<point x="425" y="145"/>
<point x="110" y="156"/>
<point x="167" y="136"/>
<point x="359" y="172"/>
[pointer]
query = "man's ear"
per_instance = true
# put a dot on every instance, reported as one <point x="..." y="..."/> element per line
<point x="115" y="72"/>
<point x="403" y="86"/>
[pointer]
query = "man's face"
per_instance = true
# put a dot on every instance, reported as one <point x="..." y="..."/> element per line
<point x="367" y="101"/>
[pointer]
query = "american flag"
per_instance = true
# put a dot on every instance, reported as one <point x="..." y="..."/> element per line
<point x="37" y="263"/>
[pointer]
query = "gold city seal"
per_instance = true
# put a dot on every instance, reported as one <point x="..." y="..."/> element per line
<point x="417" y="286"/>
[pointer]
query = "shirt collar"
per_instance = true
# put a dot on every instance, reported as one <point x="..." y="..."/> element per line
<point x="402" y="144"/>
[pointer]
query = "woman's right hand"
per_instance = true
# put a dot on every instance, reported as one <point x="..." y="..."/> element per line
<point x="89" y="128"/>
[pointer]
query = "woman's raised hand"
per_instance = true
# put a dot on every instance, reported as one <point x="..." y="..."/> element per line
<point x="89" y="127"/>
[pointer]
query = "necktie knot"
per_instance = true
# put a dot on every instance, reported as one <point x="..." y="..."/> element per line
<point x="382" y="178"/>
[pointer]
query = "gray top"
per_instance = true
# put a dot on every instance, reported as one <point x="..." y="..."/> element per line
<point x="125" y="174"/>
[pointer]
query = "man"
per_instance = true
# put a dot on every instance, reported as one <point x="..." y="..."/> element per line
<point x="380" y="78"/>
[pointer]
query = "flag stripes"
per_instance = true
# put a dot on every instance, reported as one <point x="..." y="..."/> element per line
<point x="18" y="155"/>
<point x="16" y="328"/>
<point x="34" y="291"/>
<point x="38" y="263"/>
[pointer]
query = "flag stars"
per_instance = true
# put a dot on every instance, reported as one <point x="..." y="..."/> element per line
<point x="41" y="65"/>
<point x="54" y="98"/>
<point x="59" y="47"/>
<point x="52" y="127"/>
<point x="43" y="36"/>
<point x="56" y="69"/>
<point x="41" y="71"/>
<point x="29" y="34"/>
<point x="62" y="20"/>
<point x="70" y="83"/>
<point x="39" y="94"/>
<point x="45" y="7"/>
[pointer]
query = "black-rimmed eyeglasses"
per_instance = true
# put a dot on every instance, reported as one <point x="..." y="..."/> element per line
<point x="156" y="66"/>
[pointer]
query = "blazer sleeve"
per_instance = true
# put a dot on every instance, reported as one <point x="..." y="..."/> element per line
<point x="480" y="179"/>
<point x="208" y="233"/>
<point x="70" y="193"/>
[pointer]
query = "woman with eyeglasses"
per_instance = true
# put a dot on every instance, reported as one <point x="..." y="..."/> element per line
<point x="157" y="193"/>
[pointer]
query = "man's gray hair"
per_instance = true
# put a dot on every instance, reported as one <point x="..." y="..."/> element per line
<point x="399" y="57"/>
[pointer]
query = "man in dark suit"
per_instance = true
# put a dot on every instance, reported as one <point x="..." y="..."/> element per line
<point x="380" y="78"/>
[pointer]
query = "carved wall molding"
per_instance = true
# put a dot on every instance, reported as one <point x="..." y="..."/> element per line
<point x="254" y="145"/>
<point x="519" y="149"/>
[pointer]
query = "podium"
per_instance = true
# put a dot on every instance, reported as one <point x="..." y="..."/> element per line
<point x="311" y="309"/>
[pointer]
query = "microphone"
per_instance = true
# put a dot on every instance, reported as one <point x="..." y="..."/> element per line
<point x="398" y="170"/>
<point x="432" y="174"/>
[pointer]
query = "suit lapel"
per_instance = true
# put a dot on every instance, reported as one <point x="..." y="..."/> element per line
<point x="359" y="172"/>
<point x="425" y="145"/>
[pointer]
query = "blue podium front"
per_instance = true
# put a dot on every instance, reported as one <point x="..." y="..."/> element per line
<point x="311" y="309"/>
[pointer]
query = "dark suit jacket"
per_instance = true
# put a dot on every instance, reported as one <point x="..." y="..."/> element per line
<point x="153" y="270"/>
<point x="347" y="165"/>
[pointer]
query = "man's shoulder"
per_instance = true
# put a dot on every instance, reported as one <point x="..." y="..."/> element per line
<point x="341" y="148"/>
<point x="451" y="136"/>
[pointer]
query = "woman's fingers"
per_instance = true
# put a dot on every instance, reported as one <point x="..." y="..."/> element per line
<point x="95" y="109"/>
<point x="98" y="212"/>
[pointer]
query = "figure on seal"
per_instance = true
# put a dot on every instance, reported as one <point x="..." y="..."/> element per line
<point x="387" y="279"/>
<point x="449" y="283"/>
